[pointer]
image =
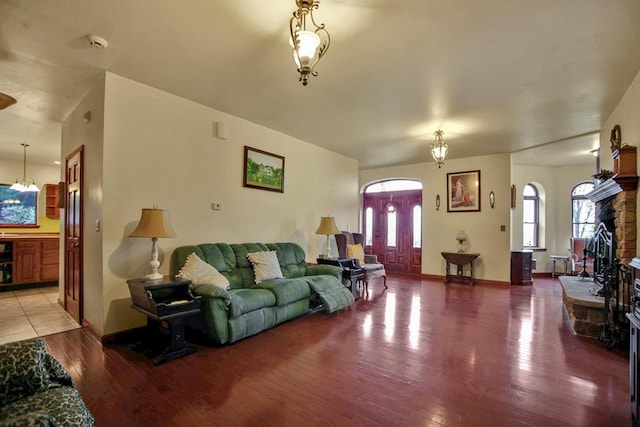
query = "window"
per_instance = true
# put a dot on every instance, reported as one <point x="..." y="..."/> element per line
<point x="391" y="228"/>
<point x="417" y="226"/>
<point x="530" y="216"/>
<point x="368" y="226"/>
<point x="17" y="209"/>
<point x="583" y="211"/>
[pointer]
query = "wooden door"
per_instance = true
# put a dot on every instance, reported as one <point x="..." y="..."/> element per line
<point x="73" y="235"/>
<point x="396" y="251"/>
<point x="27" y="261"/>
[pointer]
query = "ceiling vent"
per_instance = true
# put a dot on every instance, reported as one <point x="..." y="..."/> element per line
<point x="97" y="42"/>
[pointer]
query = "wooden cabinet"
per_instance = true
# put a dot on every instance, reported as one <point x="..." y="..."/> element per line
<point x="26" y="261"/>
<point x="521" y="267"/>
<point x="51" y="201"/>
<point x="29" y="260"/>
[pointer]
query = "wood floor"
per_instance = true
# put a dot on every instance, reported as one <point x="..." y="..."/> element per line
<point x="417" y="354"/>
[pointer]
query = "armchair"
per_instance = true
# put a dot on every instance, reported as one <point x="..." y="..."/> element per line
<point x="347" y="244"/>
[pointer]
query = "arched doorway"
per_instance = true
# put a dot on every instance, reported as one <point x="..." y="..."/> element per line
<point x="392" y="224"/>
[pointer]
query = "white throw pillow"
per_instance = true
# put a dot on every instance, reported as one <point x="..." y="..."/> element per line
<point x="265" y="266"/>
<point x="201" y="273"/>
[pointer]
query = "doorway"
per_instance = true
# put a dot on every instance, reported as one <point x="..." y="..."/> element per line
<point x="73" y="285"/>
<point x="392" y="224"/>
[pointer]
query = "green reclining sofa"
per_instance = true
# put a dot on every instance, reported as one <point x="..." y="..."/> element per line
<point x="247" y="308"/>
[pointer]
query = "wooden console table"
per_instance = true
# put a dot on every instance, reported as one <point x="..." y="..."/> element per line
<point x="460" y="259"/>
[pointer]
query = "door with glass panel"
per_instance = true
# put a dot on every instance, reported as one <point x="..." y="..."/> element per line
<point x="392" y="224"/>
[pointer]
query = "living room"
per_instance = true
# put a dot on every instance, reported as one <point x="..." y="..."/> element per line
<point x="146" y="147"/>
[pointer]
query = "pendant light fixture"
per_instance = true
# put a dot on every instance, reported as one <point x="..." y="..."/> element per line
<point x="309" y="45"/>
<point x="25" y="184"/>
<point x="439" y="148"/>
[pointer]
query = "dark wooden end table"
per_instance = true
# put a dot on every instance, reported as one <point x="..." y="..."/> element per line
<point x="351" y="272"/>
<point x="460" y="259"/>
<point x="166" y="302"/>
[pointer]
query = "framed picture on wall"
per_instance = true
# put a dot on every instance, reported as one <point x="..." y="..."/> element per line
<point x="263" y="170"/>
<point x="463" y="191"/>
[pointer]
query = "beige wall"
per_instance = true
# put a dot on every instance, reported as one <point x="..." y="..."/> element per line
<point x="439" y="227"/>
<point x="76" y="132"/>
<point x="555" y="185"/>
<point x="160" y="150"/>
<point x="627" y="115"/>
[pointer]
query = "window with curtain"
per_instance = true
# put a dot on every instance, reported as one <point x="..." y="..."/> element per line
<point x="530" y="216"/>
<point x="583" y="216"/>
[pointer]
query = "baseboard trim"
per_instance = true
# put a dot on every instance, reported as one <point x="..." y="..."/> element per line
<point x="482" y="282"/>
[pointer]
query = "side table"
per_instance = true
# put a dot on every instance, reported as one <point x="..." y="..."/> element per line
<point x="564" y="259"/>
<point x="351" y="272"/>
<point x="166" y="302"/>
<point x="460" y="259"/>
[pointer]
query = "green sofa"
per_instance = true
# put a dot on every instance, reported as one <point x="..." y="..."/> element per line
<point x="35" y="390"/>
<point x="247" y="308"/>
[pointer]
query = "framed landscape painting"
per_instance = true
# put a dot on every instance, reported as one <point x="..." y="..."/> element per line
<point x="463" y="191"/>
<point x="263" y="170"/>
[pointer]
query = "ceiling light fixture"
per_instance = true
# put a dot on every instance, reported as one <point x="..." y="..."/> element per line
<point x="308" y="46"/>
<point x="6" y="101"/>
<point x="25" y="184"/>
<point x="439" y="148"/>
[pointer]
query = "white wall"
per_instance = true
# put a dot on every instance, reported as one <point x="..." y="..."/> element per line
<point x="160" y="150"/>
<point x="626" y="114"/>
<point x="439" y="227"/>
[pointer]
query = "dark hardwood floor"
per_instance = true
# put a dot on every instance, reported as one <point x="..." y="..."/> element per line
<point x="417" y="354"/>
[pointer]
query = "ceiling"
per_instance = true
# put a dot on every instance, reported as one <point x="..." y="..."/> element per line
<point x="495" y="75"/>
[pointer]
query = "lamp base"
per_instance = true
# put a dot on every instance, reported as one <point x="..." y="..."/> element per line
<point x="154" y="276"/>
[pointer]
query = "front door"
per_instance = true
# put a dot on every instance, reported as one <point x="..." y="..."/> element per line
<point x="396" y="229"/>
<point x="73" y="235"/>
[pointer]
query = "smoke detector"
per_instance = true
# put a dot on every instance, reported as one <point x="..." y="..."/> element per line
<point x="97" y="41"/>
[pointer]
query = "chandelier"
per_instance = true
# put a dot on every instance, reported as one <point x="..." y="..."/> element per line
<point x="25" y="184"/>
<point x="439" y="148"/>
<point x="309" y="45"/>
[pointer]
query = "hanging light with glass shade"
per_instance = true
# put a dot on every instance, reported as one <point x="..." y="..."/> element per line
<point x="309" y="45"/>
<point x="24" y="184"/>
<point x="439" y="148"/>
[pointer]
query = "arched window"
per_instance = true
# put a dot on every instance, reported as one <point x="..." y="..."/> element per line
<point x="583" y="215"/>
<point x="530" y="216"/>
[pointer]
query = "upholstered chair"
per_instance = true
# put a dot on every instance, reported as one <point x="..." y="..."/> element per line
<point x="351" y="245"/>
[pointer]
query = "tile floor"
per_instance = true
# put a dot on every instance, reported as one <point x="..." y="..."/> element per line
<point x="32" y="313"/>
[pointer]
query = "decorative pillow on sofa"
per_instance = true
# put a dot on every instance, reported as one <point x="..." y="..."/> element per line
<point x="23" y="371"/>
<point x="356" y="251"/>
<point x="265" y="266"/>
<point x="201" y="273"/>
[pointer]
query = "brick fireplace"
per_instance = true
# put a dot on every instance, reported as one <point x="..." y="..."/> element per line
<point x="616" y="201"/>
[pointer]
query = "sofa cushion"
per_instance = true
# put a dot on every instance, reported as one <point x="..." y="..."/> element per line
<point x="202" y="273"/>
<point x="23" y="370"/>
<point x="60" y="406"/>
<point x="356" y="251"/>
<point x="247" y="300"/>
<point x="287" y="290"/>
<point x="265" y="266"/>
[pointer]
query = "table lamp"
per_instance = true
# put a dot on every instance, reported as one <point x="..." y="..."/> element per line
<point x="154" y="223"/>
<point x="328" y="227"/>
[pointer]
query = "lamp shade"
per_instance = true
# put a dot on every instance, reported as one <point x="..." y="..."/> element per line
<point x="327" y="226"/>
<point x="154" y="223"/>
